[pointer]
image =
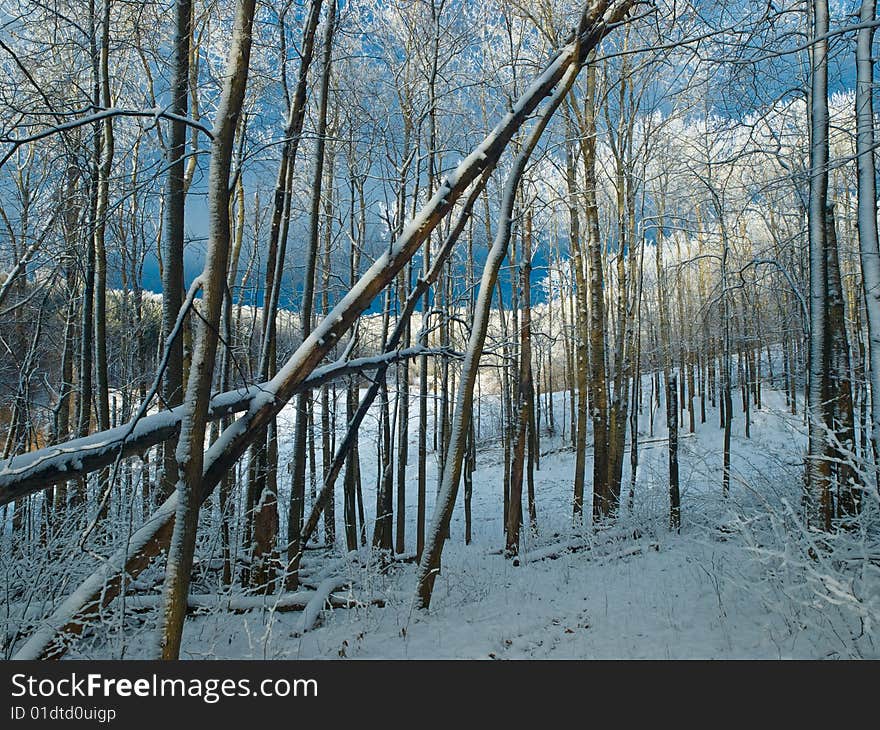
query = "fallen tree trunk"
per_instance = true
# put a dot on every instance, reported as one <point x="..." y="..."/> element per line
<point x="313" y="609"/>
<point x="296" y="601"/>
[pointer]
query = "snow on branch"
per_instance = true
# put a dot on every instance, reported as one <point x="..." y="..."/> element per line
<point x="101" y="114"/>
<point x="38" y="470"/>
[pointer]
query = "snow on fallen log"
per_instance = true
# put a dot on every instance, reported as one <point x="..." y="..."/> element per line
<point x="311" y="602"/>
<point x="345" y="600"/>
<point x="313" y="610"/>
<point x="283" y="603"/>
<point x="573" y="545"/>
<point x="314" y="575"/>
<point x="551" y="552"/>
<point x="601" y="558"/>
<point x="626" y="553"/>
<point x="335" y="567"/>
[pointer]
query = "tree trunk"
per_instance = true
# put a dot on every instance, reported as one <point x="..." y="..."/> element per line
<point x="841" y="447"/>
<point x="429" y="565"/>
<point x="867" y="209"/>
<point x="580" y="320"/>
<point x="672" y="420"/>
<point x="173" y="234"/>
<point x="525" y="394"/>
<point x="190" y="448"/>
<point x="818" y="496"/>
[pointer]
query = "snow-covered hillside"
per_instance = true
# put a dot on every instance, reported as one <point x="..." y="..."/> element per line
<point x="737" y="582"/>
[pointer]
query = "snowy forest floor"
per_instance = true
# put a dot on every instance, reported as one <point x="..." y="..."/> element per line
<point x="737" y="582"/>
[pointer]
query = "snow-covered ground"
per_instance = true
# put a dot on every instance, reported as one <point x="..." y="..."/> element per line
<point x="736" y="582"/>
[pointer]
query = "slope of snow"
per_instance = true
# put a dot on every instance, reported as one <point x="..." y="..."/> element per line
<point x="733" y="584"/>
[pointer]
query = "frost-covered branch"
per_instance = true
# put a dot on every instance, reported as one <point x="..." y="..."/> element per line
<point x="101" y="115"/>
<point x="38" y="470"/>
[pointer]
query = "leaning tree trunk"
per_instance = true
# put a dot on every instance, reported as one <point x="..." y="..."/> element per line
<point x="429" y="565"/>
<point x="356" y="417"/>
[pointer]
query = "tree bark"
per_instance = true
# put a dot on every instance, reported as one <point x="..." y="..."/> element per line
<point x="818" y="494"/>
<point x="190" y="447"/>
<point x="298" y="466"/>
<point x="173" y="233"/>
<point x="580" y="343"/>
<point x="869" y="251"/>
<point x="524" y="406"/>
<point x="841" y="447"/>
<point x="672" y="420"/>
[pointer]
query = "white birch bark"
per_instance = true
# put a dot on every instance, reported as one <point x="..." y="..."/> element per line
<point x="867" y="205"/>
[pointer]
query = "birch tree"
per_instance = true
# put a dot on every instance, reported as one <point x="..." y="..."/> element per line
<point x="867" y="205"/>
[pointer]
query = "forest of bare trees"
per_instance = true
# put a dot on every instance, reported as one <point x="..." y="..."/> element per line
<point x="319" y="305"/>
